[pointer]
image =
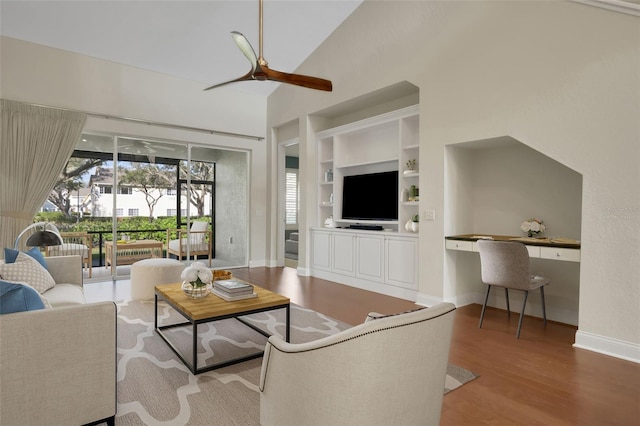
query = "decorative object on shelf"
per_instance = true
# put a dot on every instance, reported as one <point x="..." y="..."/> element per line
<point x="405" y="195"/>
<point x="415" y="223"/>
<point x="533" y="227"/>
<point x="413" y="193"/>
<point x="329" y="222"/>
<point x="328" y="175"/>
<point x="331" y="198"/>
<point x="196" y="280"/>
<point x="411" y="164"/>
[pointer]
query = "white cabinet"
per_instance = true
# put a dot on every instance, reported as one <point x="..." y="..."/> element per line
<point x="383" y="262"/>
<point x="401" y="256"/>
<point x="343" y="256"/>
<point x="370" y="260"/>
<point x="321" y="250"/>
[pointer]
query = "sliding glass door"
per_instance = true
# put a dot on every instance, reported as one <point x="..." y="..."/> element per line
<point x="133" y="196"/>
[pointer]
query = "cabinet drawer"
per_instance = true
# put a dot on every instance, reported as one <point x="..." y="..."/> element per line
<point x="534" y="251"/>
<point x="571" y="255"/>
<point x="459" y="245"/>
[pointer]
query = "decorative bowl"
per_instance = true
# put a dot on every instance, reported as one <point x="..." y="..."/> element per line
<point x="221" y="274"/>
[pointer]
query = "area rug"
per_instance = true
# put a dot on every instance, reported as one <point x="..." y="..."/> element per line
<point x="156" y="388"/>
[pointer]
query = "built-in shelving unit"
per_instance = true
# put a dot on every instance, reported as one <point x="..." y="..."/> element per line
<point x="377" y="144"/>
<point x="386" y="262"/>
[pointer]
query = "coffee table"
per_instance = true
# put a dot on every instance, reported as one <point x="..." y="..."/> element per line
<point x="213" y="308"/>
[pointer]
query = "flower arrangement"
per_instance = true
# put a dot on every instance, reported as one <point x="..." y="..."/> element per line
<point x="196" y="278"/>
<point x="533" y="227"/>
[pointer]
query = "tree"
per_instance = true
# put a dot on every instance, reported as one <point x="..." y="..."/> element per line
<point x="152" y="179"/>
<point x="70" y="180"/>
<point x="198" y="191"/>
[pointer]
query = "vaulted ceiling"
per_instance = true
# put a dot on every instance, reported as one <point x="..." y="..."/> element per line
<point x="185" y="39"/>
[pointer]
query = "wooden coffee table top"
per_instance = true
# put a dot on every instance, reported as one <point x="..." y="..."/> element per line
<point x="213" y="306"/>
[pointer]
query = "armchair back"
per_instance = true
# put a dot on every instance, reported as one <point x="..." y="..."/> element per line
<point x="388" y="371"/>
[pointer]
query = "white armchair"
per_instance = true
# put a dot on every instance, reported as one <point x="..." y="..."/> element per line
<point x="389" y="371"/>
<point x="198" y="243"/>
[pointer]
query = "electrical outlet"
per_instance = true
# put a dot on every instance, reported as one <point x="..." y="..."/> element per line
<point x="429" y="215"/>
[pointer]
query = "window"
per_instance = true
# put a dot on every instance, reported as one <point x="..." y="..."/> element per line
<point x="292" y="197"/>
<point x="119" y="212"/>
<point x="126" y="190"/>
<point x="106" y="189"/>
<point x="171" y="191"/>
<point x="172" y="212"/>
<point x="134" y="212"/>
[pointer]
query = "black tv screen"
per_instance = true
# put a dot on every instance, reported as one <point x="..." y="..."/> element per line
<point x="372" y="196"/>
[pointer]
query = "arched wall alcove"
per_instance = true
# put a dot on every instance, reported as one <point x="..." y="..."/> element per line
<point x="491" y="186"/>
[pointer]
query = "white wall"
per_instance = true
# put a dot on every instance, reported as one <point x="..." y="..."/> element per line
<point x="42" y="75"/>
<point x="561" y="77"/>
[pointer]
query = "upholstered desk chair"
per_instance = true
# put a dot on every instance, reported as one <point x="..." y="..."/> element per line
<point x="388" y="371"/>
<point x="506" y="264"/>
<point x="199" y="241"/>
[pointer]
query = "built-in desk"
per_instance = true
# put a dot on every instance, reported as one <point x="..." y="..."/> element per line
<point x="543" y="248"/>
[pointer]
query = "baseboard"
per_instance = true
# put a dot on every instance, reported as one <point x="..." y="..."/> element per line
<point x="608" y="346"/>
<point x="258" y="263"/>
<point x="554" y="314"/>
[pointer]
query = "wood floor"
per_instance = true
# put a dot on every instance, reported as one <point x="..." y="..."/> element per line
<point x="539" y="379"/>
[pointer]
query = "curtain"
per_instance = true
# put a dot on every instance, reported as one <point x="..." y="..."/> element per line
<point x="35" y="144"/>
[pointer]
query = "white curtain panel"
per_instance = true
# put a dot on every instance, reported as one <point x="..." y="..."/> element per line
<point x="35" y="144"/>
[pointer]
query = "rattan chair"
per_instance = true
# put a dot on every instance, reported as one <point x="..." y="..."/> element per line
<point x="506" y="264"/>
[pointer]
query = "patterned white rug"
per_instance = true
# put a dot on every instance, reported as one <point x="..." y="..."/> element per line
<point x="156" y="388"/>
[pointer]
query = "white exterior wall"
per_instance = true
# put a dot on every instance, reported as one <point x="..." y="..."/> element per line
<point x="560" y="77"/>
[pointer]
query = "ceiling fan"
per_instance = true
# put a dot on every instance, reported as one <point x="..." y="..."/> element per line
<point x="260" y="69"/>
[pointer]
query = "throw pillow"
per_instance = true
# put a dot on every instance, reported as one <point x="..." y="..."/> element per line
<point x="27" y="270"/>
<point x="10" y="255"/>
<point x="16" y="297"/>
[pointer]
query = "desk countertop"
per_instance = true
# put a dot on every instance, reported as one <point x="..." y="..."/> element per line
<point x="545" y="242"/>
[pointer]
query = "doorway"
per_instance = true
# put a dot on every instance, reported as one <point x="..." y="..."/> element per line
<point x="288" y="239"/>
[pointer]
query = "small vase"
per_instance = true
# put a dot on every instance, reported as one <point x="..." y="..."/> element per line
<point x="195" y="292"/>
<point x="415" y="226"/>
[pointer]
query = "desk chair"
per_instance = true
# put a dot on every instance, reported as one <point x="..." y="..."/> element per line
<point x="506" y="264"/>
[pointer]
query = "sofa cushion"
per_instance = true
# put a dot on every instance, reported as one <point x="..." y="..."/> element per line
<point x="10" y="255"/>
<point x="17" y="297"/>
<point x="27" y="270"/>
<point x="65" y="295"/>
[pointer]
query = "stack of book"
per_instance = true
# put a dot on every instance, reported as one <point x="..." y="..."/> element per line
<point x="231" y="290"/>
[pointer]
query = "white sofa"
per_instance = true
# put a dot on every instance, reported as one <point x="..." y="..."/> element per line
<point x="58" y="365"/>
<point x="388" y="371"/>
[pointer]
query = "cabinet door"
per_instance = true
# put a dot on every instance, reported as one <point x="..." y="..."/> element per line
<point x="343" y="253"/>
<point x="321" y="250"/>
<point x="370" y="259"/>
<point x="402" y="262"/>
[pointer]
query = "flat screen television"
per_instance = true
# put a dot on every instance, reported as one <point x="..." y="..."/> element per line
<point x="372" y="196"/>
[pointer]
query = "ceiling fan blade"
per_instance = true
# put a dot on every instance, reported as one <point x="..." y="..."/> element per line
<point x="248" y="76"/>
<point x="298" y="79"/>
<point x="245" y="48"/>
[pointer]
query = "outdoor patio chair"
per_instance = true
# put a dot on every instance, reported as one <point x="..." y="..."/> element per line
<point x="197" y="243"/>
